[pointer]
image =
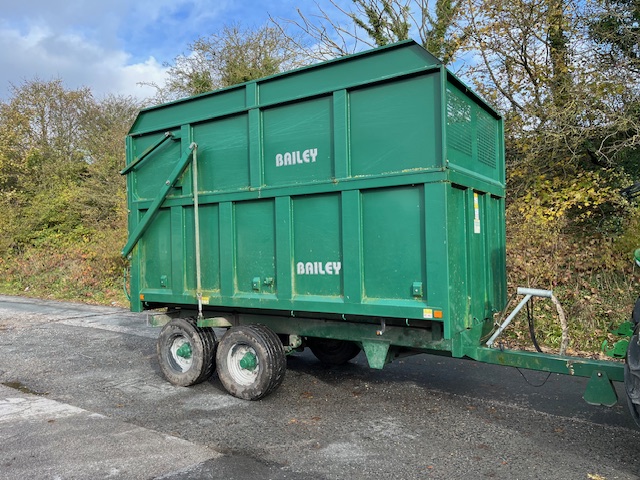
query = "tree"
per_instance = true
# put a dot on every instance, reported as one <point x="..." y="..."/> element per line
<point x="374" y="23"/>
<point x="60" y="152"/>
<point x="13" y="124"/>
<point x="615" y="27"/>
<point x="43" y="125"/>
<point x="536" y="64"/>
<point x="233" y="55"/>
<point x="384" y="22"/>
<point x="103" y="190"/>
<point x="55" y="116"/>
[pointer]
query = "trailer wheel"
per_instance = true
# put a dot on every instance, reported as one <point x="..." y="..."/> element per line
<point x="251" y="361"/>
<point x="186" y="352"/>
<point x="333" y="352"/>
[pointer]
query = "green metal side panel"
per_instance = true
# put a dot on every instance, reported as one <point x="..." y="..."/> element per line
<point x="458" y="259"/>
<point x="395" y="126"/>
<point x="156" y="268"/>
<point x="360" y="69"/>
<point x="146" y="179"/>
<point x="317" y="246"/>
<point x="298" y="143"/>
<point x="254" y="245"/>
<point x="189" y="111"/>
<point x="368" y="187"/>
<point x="209" y="246"/>
<point x="394" y="244"/>
<point x="223" y="153"/>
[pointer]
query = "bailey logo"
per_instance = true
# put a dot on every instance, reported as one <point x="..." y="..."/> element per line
<point x="296" y="157"/>
<point x="318" y="268"/>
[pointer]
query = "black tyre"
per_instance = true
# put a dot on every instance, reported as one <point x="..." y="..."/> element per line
<point x="186" y="352"/>
<point x="635" y="314"/>
<point x="632" y="376"/>
<point x="333" y="352"/>
<point x="251" y="361"/>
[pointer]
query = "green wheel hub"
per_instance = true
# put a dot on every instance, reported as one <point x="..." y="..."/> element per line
<point x="249" y="361"/>
<point x="184" y="351"/>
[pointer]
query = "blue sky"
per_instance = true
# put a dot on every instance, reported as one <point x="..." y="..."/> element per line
<point x="110" y="46"/>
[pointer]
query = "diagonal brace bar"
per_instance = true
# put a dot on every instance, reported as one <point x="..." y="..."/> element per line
<point x="155" y="206"/>
<point x="528" y="293"/>
<point x="507" y="321"/>
<point x="146" y="153"/>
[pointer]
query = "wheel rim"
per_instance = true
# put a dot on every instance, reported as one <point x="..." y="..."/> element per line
<point x="243" y="364"/>
<point x="180" y="354"/>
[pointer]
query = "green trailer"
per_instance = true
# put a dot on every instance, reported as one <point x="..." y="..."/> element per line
<point x="357" y="204"/>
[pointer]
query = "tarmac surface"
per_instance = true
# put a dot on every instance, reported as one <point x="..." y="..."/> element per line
<point x="82" y="397"/>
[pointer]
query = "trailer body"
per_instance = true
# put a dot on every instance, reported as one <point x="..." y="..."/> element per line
<point x="360" y="199"/>
<point x="370" y="186"/>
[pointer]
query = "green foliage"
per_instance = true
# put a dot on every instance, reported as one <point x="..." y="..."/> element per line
<point x="251" y="54"/>
<point x="584" y="199"/>
<point x="439" y="39"/>
<point x="89" y="269"/>
<point x="374" y="23"/>
<point x="63" y="201"/>
<point x="615" y="27"/>
<point x="384" y="21"/>
<point x="592" y="273"/>
<point x="233" y="55"/>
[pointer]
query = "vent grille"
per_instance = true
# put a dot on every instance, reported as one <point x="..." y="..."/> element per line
<point x="458" y="123"/>
<point x="487" y="130"/>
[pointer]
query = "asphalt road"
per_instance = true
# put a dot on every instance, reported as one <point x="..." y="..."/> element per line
<point x="82" y="397"/>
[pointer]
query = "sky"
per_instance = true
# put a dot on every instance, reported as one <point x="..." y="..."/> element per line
<point x="111" y="46"/>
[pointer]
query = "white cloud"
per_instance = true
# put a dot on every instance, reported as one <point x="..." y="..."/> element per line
<point x="40" y="52"/>
<point x="112" y="46"/>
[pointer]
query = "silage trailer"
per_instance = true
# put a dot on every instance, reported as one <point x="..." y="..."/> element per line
<point x="356" y="204"/>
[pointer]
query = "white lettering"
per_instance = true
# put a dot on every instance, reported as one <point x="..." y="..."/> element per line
<point x="318" y="268"/>
<point x="296" y="157"/>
